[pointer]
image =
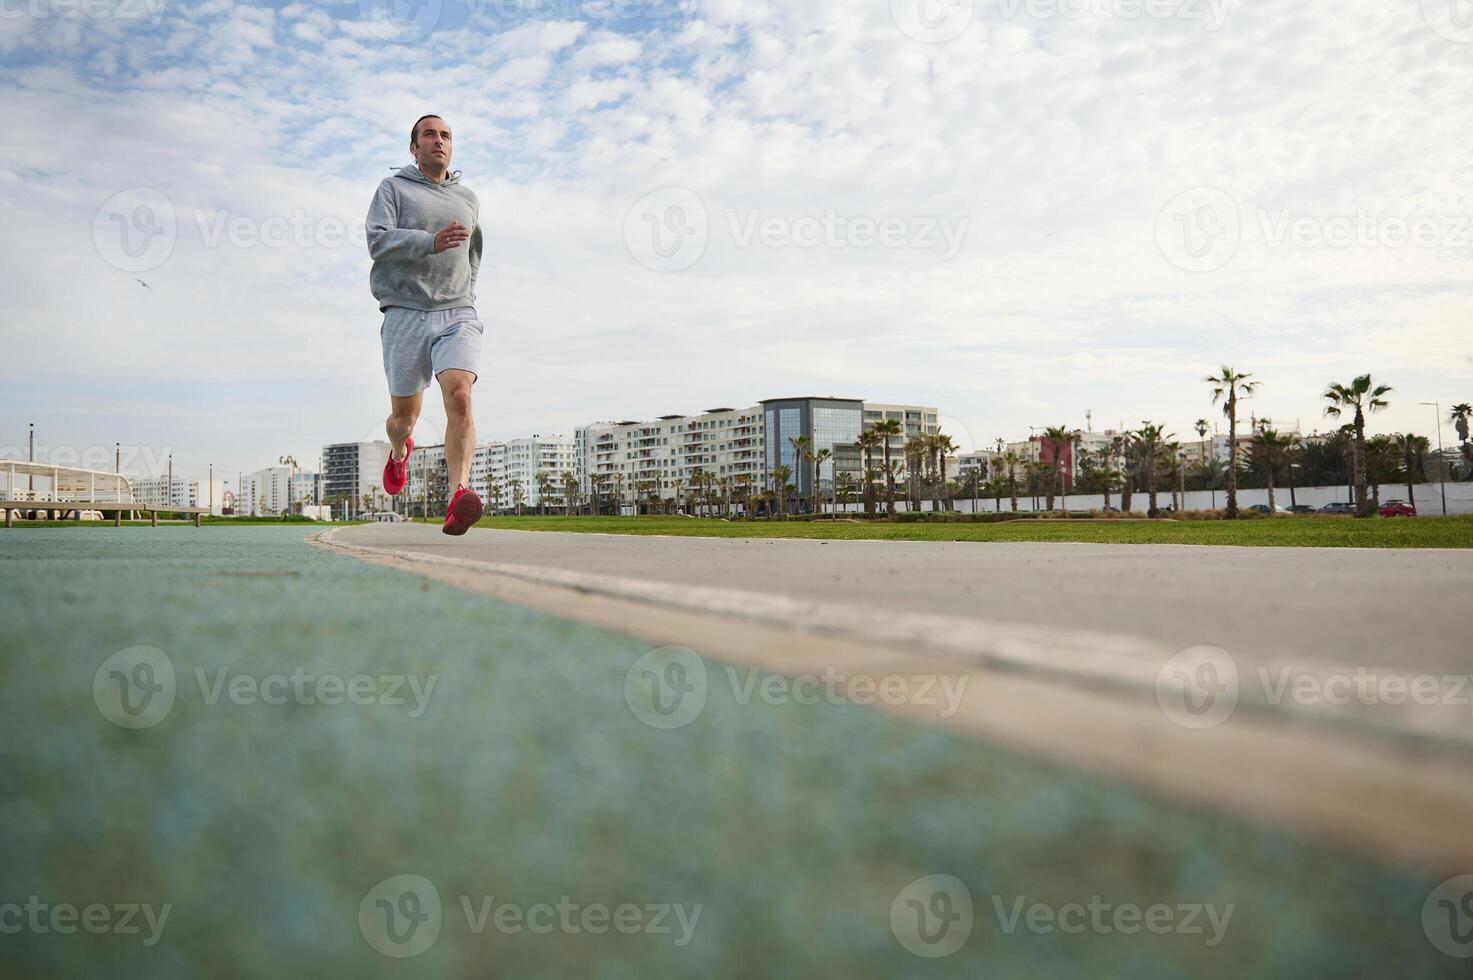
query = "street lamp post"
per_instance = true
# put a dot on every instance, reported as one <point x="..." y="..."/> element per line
<point x="1441" y="460"/>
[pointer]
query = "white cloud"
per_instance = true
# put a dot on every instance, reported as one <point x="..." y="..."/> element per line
<point x="1059" y="140"/>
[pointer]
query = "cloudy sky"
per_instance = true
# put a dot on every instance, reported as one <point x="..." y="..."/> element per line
<point x="1015" y="210"/>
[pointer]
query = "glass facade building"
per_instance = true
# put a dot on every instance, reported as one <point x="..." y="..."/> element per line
<point x="829" y="423"/>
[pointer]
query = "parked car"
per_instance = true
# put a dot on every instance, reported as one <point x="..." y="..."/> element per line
<point x="1338" y="507"/>
<point x="1397" y="508"/>
<point x="1301" y="509"/>
<point x="1263" y="509"/>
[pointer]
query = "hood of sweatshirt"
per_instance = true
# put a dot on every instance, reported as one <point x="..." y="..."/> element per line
<point x="411" y="172"/>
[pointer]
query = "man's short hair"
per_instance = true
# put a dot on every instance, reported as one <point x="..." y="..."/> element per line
<point x="414" y="130"/>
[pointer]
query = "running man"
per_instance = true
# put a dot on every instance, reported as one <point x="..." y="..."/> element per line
<point x="424" y="236"/>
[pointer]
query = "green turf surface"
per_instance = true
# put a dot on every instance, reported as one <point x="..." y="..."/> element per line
<point x="527" y="777"/>
<point x="1309" y="532"/>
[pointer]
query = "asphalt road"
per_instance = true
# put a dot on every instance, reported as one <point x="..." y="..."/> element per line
<point x="1405" y="610"/>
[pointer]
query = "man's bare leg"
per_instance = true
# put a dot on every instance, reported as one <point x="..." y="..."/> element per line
<point x="460" y="428"/>
<point x="403" y="413"/>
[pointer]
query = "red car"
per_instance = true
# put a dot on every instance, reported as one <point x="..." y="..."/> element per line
<point x="1397" y="508"/>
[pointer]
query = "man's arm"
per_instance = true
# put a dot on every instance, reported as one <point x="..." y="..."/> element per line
<point x="385" y="239"/>
<point x="475" y="254"/>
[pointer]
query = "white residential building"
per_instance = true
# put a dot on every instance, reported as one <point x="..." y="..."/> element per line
<point x="638" y="460"/>
<point x="159" y="492"/>
<point x="264" y="493"/>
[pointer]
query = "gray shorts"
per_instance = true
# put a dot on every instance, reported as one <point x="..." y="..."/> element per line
<point x="418" y="345"/>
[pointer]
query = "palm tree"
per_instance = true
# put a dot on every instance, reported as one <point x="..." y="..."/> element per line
<point x="819" y="458"/>
<point x="944" y="446"/>
<point x="1380" y="461"/>
<point x="544" y="485"/>
<point x="1149" y="439"/>
<point x="780" y="477"/>
<point x="1202" y="425"/>
<point x="1413" y="450"/>
<point x="1268" y="450"/>
<point x="517" y="497"/>
<point x="801" y="448"/>
<point x="1228" y="386"/>
<point x="869" y="441"/>
<point x="1010" y="460"/>
<point x="1459" y="416"/>
<point x="570" y="493"/>
<point x="886" y="430"/>
<point x="917" y="450"/>
<point x="1060" y="436"/>
<point x="1362" y="395"/>
<point x="1212" y="471"/>
<point x="995" y="488"/>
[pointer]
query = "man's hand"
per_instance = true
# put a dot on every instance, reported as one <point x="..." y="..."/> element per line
<point x="450" y="236"/>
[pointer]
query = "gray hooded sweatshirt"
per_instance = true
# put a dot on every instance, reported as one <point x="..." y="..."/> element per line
<point x="407" y="211"/>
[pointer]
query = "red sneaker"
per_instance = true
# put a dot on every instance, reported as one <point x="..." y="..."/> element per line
<point x="464" y="511"/>
<point x="396" y="471"/>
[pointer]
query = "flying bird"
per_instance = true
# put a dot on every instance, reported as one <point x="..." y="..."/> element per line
<point x="144" y="284"/>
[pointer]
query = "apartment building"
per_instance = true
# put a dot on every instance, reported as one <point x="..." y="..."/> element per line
<point x="272" y="491"/>
<point x="160" y="492"/>
<point x="640" y="460"/>
<point x="351" y="469"/>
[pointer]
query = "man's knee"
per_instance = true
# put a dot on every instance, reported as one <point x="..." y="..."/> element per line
<point x="458" y="400"/>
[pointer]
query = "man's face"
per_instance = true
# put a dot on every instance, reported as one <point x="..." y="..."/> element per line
<point x="431" y="148"/>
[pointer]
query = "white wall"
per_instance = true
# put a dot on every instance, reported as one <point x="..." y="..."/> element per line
<point x="1428" y="499"/>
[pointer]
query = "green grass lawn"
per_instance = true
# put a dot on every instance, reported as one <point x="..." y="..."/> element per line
<point x="1315" y="532"/>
